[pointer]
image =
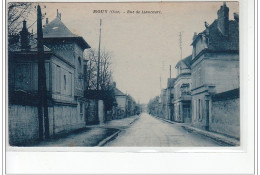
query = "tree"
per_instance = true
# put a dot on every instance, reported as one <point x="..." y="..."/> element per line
<point x="105" y="74"/>
<point x="17" y="12"/>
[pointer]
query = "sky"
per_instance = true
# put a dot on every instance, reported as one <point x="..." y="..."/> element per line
<point x="143" y="46"/>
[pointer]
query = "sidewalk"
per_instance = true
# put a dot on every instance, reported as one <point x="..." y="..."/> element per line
<point x="94" y="135"/>
<point x="215" y="136"/>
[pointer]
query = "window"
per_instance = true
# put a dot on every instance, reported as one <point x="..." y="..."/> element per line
<point x="58" y="79"/>
<point x="81" y="108"/>
<point x="65" y="82"/>
<point x="79" y="65"/>
<point x="199" y="76"/>
<point x="199" y="103"/>
<point x="70" y="83"/>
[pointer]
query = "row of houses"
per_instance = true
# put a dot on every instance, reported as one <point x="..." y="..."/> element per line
<point x="205" y="92"/>
<point x="69" y="107"/>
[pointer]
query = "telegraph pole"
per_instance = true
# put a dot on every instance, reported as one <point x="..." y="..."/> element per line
<point x="170" y="71"/>
<point x="42" y="87"/>
<point x="98" y="70"/>
<point x="180" y="43"/>
<point x="98" y="66"/>
<point x="160" y="83"/>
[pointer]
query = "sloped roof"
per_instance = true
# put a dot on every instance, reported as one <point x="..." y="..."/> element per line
<point x="57" y="29"/>
<point x="220" y="42"/>
<point x="186" y="61"/>
<point x="118" y="92"/>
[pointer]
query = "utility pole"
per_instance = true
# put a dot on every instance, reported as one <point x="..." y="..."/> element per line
<point x="170" y="71"/>
<point x="98" y="66"/>
<point x="180" y="43"/>
<point x="160" y="83"/>
<point x="42" y="87"/>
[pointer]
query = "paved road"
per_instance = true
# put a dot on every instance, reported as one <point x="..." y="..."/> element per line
<point x="148" y="131"/>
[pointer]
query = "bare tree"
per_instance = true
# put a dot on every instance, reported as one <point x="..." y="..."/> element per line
<point x="106" y="72"/>
<point x="17" y="12"/>
<point x="105" y="79"/>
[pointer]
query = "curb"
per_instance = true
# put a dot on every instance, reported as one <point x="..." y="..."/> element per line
<point x="106" y="140"/>
<point x="219" y="138"/>
<point x="215" y="136"/>
<point x="134" y="121"/>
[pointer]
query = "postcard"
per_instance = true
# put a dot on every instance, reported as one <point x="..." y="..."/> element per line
<point x="102" y="76"/>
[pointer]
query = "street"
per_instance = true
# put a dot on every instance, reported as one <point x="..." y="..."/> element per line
<point x="150" y="131"/>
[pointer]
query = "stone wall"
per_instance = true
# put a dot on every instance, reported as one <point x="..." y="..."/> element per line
<point x="65" y="119"/>
<point x="23" y="124"/>
<point x="225" y="118"/>
<point x="91" y="112"/>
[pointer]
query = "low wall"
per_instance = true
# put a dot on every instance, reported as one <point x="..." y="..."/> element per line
<point x="23" y="124"/>
<point x="64" y="119"/>
<point x="225" y="117"/>
<point x="91" y="112"/>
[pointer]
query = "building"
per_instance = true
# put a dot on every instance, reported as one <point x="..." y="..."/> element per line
<point x="121" y="103"/>
<point x="170" y="98"/>
<point x="153" y="107"/>
<point x="182" y="92"/>
<point x="64" y="63"/>
<point x="214" y="72"/>
<point x="125" y="105"/>
<point x="163" y="104"/>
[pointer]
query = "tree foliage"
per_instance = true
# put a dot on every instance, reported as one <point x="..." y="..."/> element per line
<point x="17" y="12"/>
<point x="105" y="72"/>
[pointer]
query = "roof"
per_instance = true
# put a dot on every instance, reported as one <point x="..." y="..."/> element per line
<point x="16" y="47"/>
<point x="57" y="29"/>
<point x="220" y="42"/>
<point x="186" y="61"/>
<point x="118" y="92"/>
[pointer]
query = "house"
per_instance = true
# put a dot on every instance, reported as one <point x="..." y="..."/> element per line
<point x="131" y="106"/>
<point x="182" y="92"/>
<point x="122" y="102"/>
<point x="64" y="63"/>
<point x="163" y="104"/>
<point x="215" y="73"/>
<point x="125" y="105"/>
<point x="170" y="98"/>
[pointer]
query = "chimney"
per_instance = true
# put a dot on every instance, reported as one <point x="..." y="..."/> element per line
<point x="194" y="36"/>
<point x="58" y="15"/>
<point x="24" y="37"/>
<point x="223" y="19"/>
<point x="114" y="84"/>
<point x="47" y="21"/>
<point x="236" y="17"/>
